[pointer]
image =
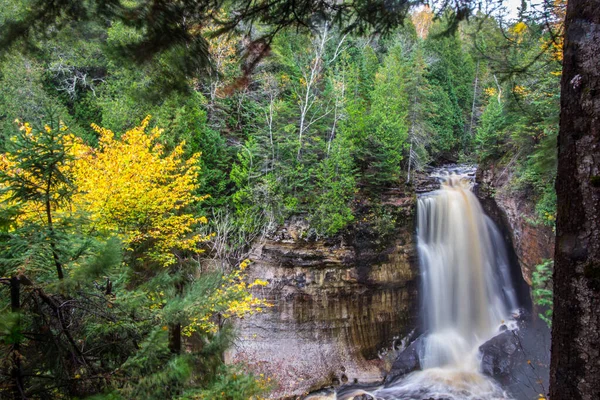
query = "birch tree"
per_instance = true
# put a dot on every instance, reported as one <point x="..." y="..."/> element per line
<point x="312" y="107"/>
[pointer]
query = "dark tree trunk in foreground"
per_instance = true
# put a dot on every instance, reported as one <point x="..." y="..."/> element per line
<point x="575" y="367"/>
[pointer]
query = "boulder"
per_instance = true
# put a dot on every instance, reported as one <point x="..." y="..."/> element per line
<point x="406" y="362"/>
<point x="519" y="359"/>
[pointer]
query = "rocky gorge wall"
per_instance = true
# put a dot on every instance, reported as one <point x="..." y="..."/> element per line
<point x="338" y="304"/>
<point x="514" y="212"/>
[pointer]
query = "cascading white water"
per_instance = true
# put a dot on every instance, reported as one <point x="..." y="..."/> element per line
<point x="467" y="295"/>
<point x="465" y="291"/>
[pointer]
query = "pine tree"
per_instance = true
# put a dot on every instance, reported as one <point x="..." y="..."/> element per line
<point x="490" y="133"/>
<point x="420" y="94"/>
<point x="388" y="120"/>
<point x="451" y="74"/>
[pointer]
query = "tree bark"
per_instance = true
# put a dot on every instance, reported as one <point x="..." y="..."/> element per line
<point x="474" y="100"/>
<point x="575" y="365"/>
<point x="175" y="328"/>
<point x="175" y="338"/>
<point x="17" y="376"/>
<point x="57" y="264"/>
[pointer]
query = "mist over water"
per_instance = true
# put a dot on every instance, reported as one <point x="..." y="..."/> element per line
<point x="467" y="295"/>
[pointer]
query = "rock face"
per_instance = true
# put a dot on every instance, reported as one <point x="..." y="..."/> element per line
<point x="336" y="303"/>
<point x="514" y="211"/>
<point x="406" y="362"/>
<point x="519" y="359"/>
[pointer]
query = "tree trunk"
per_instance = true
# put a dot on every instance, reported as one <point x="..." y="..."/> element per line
<point x="175" y="328"/>
<point x="575" y="366"/>
<point x="175" y="338"/>
<point x="17" y="376"/>
<point x="474" y="100"/>
<point x="57" y="263"/>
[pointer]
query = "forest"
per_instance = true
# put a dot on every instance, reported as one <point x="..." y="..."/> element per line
<point x="148" y="147"/>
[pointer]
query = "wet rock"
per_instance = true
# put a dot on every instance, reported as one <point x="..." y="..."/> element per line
<point x="499" y="354"/>
<point x="519" y="359"/>
<point x="424" y="182"/>
<point x="406" y="362"/>
<point x="514" y="210"/>
<point x="324" y="394"/>
<point x="429" y="179"/>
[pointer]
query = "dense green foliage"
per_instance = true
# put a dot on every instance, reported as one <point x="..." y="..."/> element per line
<point x="325" y="118"/>
<point x="518" y="126"/>
<point x="519" y="123"/>
<point x="89" y="309"/>
<point x="309" y="126"/>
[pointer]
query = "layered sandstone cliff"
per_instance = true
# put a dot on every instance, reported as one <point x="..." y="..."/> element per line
<point x="337" y="303"/>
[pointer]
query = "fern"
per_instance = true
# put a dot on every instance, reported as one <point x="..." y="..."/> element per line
<point x="542" y="289"/>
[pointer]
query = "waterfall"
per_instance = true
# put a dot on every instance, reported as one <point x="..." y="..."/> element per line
<point x="467" y="295"/>
<point x="467" y="292"/>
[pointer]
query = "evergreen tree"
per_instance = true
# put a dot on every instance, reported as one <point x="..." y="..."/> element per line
<point x="420" y="113"/>
<point x="451" y="74"/>
<point x="388" y="120"/>
<point x="336" y="184"/>
<point x="490" y="133"/>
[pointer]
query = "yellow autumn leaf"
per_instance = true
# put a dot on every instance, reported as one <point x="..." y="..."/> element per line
<point x="132" y="187"/>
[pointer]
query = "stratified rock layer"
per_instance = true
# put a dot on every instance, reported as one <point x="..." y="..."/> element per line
<point x="336" y="303"/>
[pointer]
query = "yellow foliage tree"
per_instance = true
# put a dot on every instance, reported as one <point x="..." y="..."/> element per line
<point x="232" y="300"/>
<point x="127" y="186"/>
<point x="131" y="187"/>
<point x="423" y="20"/>
<point x="557" y="30"/>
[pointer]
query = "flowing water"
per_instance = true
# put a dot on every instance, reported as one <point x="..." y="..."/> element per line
<point x="467" y="295"/>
